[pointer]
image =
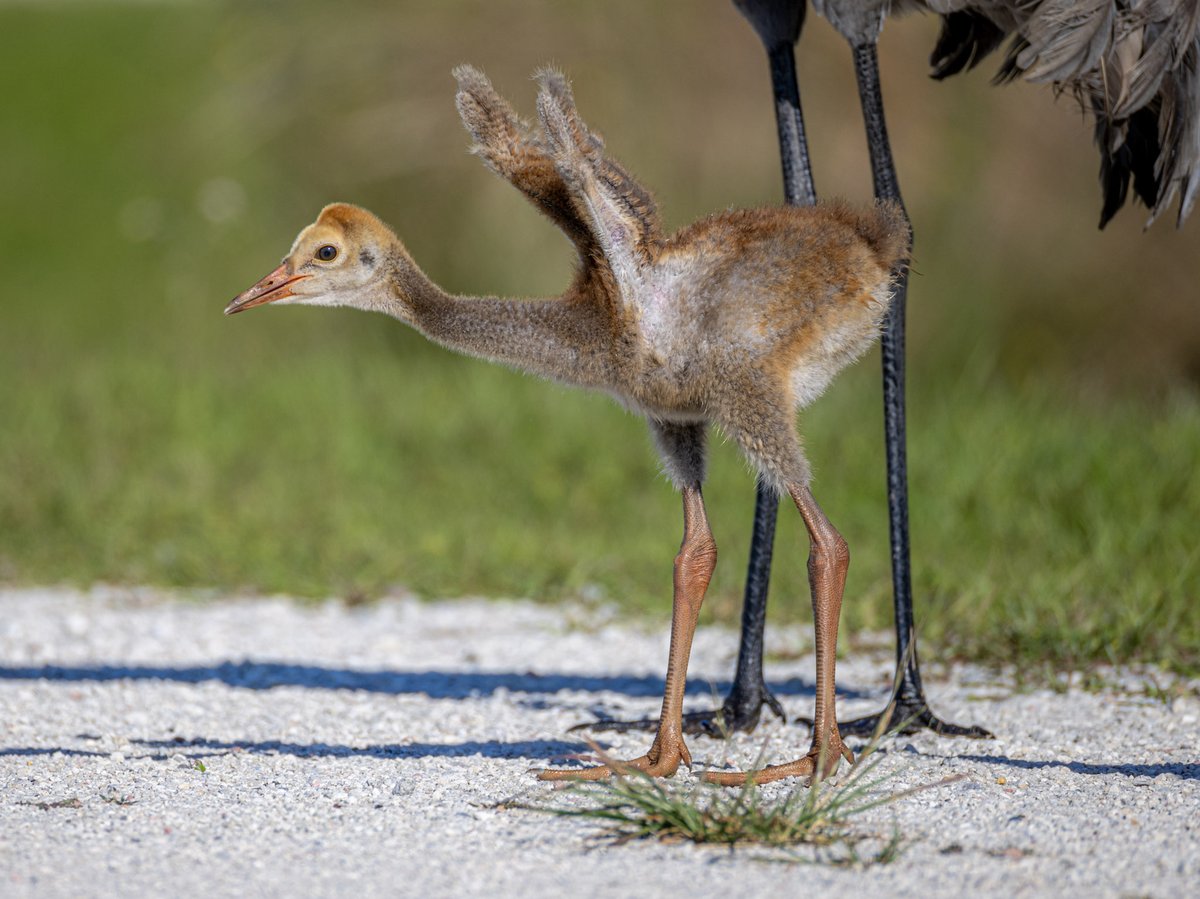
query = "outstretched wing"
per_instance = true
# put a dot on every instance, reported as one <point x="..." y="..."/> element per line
<point x="620" y="211"/>
<point x="509" y="148"/>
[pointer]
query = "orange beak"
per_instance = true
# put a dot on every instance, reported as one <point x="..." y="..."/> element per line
<point x="274" y="286"/>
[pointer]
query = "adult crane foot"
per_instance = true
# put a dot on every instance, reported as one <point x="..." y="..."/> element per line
<point x="805" y="766"/>
<point x="739" y="714"/>
<point x="662" y="760"/>
<point x="908" y="717"/>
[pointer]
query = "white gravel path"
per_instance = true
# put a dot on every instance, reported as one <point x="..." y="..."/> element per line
<point x="362" y="751"/>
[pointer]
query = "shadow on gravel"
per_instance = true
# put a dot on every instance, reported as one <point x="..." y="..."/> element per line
<point x="51" y="750"/>
<point x="1179" y="769"/>
<point x="492" y="749"/>
<point x="434" y="684"/>
<point x="553" y="750"/>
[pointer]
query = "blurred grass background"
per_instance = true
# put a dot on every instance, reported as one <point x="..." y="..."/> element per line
<point x="159" y="158"/>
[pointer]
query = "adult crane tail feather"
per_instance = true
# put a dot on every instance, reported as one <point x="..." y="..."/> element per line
<point x="965" y="39"/>
<point x="1132" y="66"/>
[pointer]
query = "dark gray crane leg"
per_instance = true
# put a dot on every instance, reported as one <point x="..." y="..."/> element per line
<point x="911" y="711"/>
<point x="778" y="24"/>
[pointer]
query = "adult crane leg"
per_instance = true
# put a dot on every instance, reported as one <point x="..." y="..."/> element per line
<point x="911" y="710"/>
<point x="778" y="24"/>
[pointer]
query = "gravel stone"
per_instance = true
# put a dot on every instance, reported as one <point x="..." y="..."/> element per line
<point x="154" y="745"/>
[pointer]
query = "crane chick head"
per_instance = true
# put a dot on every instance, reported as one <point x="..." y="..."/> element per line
<point x="338" y="260"/>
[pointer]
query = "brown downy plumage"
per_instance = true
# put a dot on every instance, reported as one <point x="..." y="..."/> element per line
<point x="738" y="320"/>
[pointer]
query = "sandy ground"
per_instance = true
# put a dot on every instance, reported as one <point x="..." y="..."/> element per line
<point x="157" y="746"/>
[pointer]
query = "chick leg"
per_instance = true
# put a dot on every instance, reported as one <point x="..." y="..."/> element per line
<point x="749" y="694"/>
<point x="694" y="566"/>
<point x="828" y="562"/>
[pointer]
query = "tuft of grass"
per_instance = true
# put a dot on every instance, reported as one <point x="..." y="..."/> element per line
<point x="634" y="806"/>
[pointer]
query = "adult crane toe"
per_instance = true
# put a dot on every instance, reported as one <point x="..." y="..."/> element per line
<point x="908" y="717"/>
<point x="739" y="714"/>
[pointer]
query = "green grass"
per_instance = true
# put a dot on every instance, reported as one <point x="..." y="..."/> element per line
<point x="146" y="439"/>
<point x="1043" y="529"/>
<point x="635" y="806"/>
<point x="821" y="815"/>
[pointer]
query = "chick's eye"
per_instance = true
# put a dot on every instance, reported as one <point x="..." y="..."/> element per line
<point x="327" y="253"/>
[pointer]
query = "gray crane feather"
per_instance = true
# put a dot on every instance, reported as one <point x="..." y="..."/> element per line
<point x="1131" y="63"/>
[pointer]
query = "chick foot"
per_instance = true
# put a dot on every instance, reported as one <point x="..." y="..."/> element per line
<point x="662" y="760"/>
<point x="806" y="766"/>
